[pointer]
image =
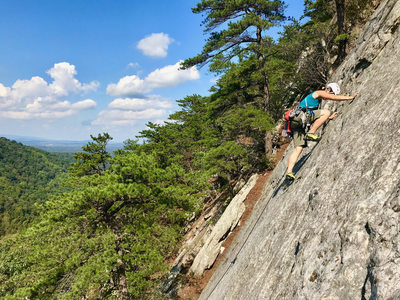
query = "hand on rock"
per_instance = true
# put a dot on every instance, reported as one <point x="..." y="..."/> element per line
<point x="332" y="116"/>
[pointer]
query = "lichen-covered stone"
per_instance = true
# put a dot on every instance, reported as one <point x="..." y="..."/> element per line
<point x="335" y="232"/>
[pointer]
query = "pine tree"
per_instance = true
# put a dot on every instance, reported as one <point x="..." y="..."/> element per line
<point x="108" y="238"/>
<point x="246" y="23"/>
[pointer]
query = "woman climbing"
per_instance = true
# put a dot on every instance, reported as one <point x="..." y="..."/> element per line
<point x="317" y="117"/>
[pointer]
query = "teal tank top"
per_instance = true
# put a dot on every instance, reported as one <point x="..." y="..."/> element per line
<point x="311" y="102"/>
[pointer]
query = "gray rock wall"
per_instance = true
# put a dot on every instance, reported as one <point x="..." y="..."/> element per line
<point x="334" y="233"/>
<point x="212" y="246"/>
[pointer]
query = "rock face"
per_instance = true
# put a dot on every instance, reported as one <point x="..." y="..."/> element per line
<point x="335" y="232"/>
<point x="203" y="243"/>
<point x="228" y="221"/>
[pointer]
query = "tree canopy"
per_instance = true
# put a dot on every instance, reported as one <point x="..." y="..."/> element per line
<point x="115" y="227"/>
<point x="245" y="21"/>
<point x="28" y="176"/>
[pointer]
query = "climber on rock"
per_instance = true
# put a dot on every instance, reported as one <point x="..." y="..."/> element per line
<point x="308" y="109"/>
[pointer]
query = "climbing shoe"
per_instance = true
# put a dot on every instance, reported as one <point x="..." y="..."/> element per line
<point x="312" y="137"/>
<point x="290" y="176"/>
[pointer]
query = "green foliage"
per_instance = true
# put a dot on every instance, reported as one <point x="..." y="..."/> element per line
<point x="346" y="15"/>
<point x="191" y="129"/>
<point x="27" y="177"/>
<point x="342" y="37"/>
<point x="208" y="123"/>
<point x="249" y="121"/>
<point x="357" y="11"/>
<point x="245" y="24"/>
<point x="319" y="11"/>
<point x="228" y="161"/>
<point x="117" y="227"/>
<point x="95" y="158"/>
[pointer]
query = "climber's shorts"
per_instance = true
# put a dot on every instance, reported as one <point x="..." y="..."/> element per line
<point x="298" y="130"/>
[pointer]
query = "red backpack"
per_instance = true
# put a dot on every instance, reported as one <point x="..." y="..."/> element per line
<point x="287" y="131"/>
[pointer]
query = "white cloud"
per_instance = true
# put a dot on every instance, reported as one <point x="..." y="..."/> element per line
<point x="29" y="89"/>
<point x="168" y="76"/>
<point x="126" y="117"/>
<point x="35" y="98"/>
<point x="155" y="45"/>
<point x="65" y="81"/>
<point x="48" y="108"/>
<point x="4" y="91"/>
<point x="127" y="111"/>
<point x="133" y="65"/>
<point x="128" y="86"/>
<point x="84" y="104"/>
<point x="139" y="104"/>
<point x="131" y="104"/>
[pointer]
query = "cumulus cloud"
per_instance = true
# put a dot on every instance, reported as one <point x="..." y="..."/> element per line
<point x="155" y="45"/>
<point x="4" y="91"/>
<point x="128" y="86"/>
<point x="168" y="76"/>
<point x="36" y="98"/>
<point x="138" y="103"/>
<point x="127" y="111"/>
<point x="65" y="81"/>
<point x="29" y="89"/>
<point x="132" y="102"/>
<point x="42" y="108"/>
<point x="128" y="117"/>
<point x="54" y="111"/>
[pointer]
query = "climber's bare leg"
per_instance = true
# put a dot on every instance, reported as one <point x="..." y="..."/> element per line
<point x="325" y="114"/>
<point x="293" y="158"/>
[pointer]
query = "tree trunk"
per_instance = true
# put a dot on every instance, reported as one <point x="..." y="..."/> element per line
<point x="121" y="269"/>
<point x="265" y="88"/>
<point x="122" y="282"/>
<point x="268" y="143"/>
<point x="340" y="11"/>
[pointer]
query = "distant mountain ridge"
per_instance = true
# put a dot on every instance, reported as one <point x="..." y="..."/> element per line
<point x="56" y="145"/>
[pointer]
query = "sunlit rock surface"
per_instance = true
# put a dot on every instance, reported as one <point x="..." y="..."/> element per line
<point x="228" y="221"/>
<point x="335" y="232"/>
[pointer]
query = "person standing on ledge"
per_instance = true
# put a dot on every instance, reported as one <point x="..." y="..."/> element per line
<point x="317" y="117"/>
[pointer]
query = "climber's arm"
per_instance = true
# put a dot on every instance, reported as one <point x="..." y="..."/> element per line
<point x="329" y="96"/>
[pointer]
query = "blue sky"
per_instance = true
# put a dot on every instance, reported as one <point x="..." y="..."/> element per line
<point x="73" y="68"/>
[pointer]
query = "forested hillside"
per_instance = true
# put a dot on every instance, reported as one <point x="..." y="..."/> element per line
<point x="112" y="235"/>
<point x="27" y="177"/>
